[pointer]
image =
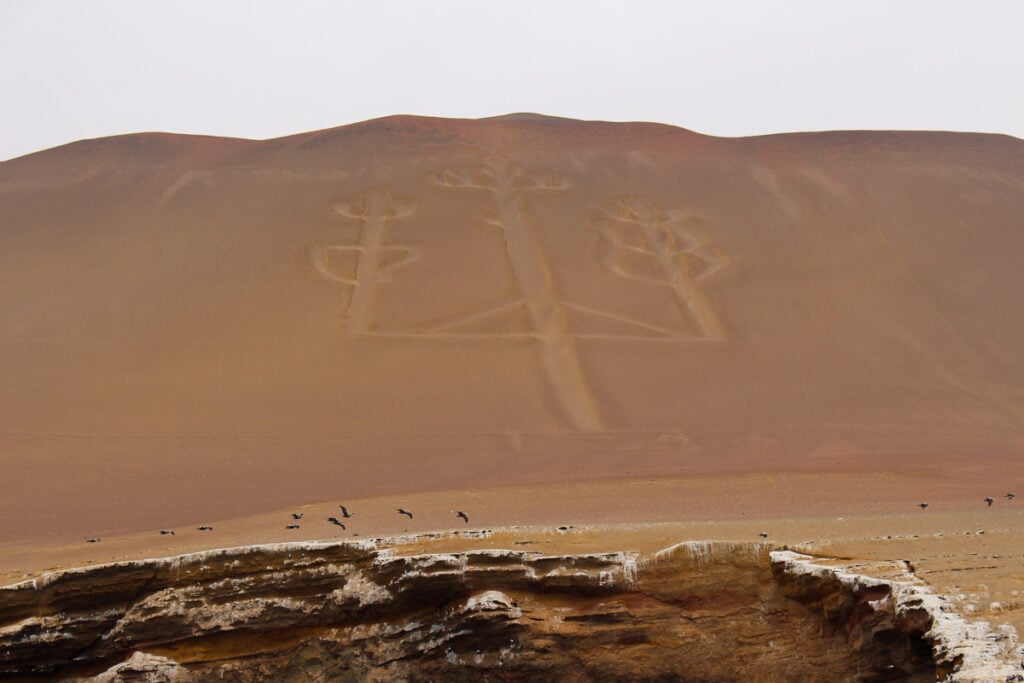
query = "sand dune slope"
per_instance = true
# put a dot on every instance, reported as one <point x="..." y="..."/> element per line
<point x="194" y="328"/>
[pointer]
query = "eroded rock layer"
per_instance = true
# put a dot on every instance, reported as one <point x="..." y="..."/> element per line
<point x="347" y="611"/>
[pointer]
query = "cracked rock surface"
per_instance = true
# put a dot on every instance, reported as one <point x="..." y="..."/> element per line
<point x="360" y="611"/>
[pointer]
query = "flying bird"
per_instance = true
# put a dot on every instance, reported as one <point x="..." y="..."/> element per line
<point x="206" y="528"/>
<point x="166" y="532"/>
<point x="296" y="515"/>
<point x="763" y="534"/>
<point x="92" y="540"/>
<point x="990" y="500"/>
<point x="334" y="521"/>
<point x="463" y="515"/>
<point x="292" y="526"/>
<point x="344" y="512"/>
<point x="922" y="505"/>
<point x="1011" y="496"/>
<point x="405" y="512"/>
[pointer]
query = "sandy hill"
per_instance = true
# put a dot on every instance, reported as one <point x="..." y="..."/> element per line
<point x="193" y="327"/>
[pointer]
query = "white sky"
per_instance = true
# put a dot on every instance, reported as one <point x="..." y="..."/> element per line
<point x="73" y="69"/>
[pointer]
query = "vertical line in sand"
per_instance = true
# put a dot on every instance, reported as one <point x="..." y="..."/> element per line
<point x="559" y="357"/>
<point x="367" y="271"/>
<point x="689" y="296"/>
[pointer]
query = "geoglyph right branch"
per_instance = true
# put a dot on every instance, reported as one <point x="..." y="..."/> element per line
<point x="669" y="248"/>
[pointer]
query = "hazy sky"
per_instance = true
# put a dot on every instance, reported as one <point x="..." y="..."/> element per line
<point x="72" y="69"/>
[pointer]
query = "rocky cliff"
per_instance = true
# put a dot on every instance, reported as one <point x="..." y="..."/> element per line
<point x="368" y="611"/>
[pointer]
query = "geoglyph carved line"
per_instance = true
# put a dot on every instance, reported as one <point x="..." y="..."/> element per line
<point x="678" y="253"/>
<point x="475" y="317"/>
<point x="507" y="184"/>
<point x="319" y="258"/>
<point x="452" y="335"/>
<point x="670" y="247"/>
<point x="375" y="208"/>
<point x="629" y="320"/>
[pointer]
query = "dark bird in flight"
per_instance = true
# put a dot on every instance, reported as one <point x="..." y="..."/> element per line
<point x="463" y="515"/>
<point x="292" y="526"/>
<point x="334" y="521"/>
<point x="296" y="515"/>
<point x="990" y="500"/>
<point x="405" y="512"/>
<point x="206" y="528"/>
<point x="344" y="512"/>
<point x="92" y="540"/>
<point x="922" y="505"/>
<point x="763" y="534"/>
<point x="166" y="532"/>
<point x="1011" y="496"/>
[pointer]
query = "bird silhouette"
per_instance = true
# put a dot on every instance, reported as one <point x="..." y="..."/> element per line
<point x="334" y="521"/>
<point x="166" y="532"/>
<point x="463" y="515"/>
<point x="990" y="500"/>
<point x="292" y="526"/>
<point x="344" y="512"/>
<point x="763" y="534"/>
<point x="405" y="512"/>
<point x="92" y="540"/>
<point x="206" y="528"/>
<point x="1011" y="496"/>
<point x="922" y="505"/>
<point x="296" y="515"/>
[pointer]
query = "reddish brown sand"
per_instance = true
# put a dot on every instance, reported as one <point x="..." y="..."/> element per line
<point x="538" y="321"/>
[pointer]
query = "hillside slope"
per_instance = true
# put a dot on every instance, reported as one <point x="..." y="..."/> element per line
<point x="192" y="327"/>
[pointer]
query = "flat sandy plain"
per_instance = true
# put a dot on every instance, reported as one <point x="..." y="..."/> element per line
<point x="636" y="331"/>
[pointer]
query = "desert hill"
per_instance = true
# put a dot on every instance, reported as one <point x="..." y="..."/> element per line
<point x="193" y="327"/>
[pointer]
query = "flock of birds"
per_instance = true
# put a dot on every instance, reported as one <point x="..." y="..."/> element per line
<point x="988" y="500"/>
<point x="345" y="514"/>
<point x="296" y="516"/>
